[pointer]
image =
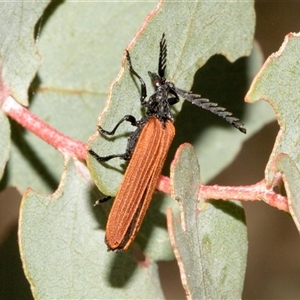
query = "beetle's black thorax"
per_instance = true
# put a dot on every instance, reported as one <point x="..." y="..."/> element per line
<point x="158" y="104"/>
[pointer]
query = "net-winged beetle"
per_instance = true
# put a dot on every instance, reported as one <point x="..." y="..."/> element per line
<point x="146" y="151"/>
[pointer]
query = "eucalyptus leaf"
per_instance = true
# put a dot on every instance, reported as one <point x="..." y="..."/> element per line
<point x="210" y="239"/>
<point x="278" y="84"/>
<point x="19" y="58"/>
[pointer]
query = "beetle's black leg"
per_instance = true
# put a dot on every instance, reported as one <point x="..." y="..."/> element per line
<point x="125" y="156"/>
<point x="106" y="158"/>
<point x="128" y="118"/>
<point x="102" y="200"/>
<point x="173" y="100"/>
<point x="143" y="85"/>
<point x="132" y="140"/>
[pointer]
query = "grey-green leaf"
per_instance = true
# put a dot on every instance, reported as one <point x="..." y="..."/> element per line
<point x="210" y="239"/>
<point x="19" y="57"/>
<point x="278" y="84"/>
<point x="291" y="177"/>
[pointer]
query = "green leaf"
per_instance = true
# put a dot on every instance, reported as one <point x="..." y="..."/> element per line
<point x="62" y="246"/>
<point x="209" y="239"/>
<point x="291" y="177"/>
<point x="278" y="84"/>
<point x="19" y="58"/>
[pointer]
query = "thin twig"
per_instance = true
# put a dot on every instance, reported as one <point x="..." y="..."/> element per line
<point x="58" y="140"/>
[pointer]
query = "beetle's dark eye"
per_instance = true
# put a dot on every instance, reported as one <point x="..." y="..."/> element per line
<point x="156" y="83"/>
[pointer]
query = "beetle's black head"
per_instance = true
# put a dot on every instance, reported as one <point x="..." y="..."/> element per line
<point x="157" y="81"/>
<point x="159" y="103"/>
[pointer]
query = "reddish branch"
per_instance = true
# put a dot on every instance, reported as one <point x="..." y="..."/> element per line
<point x="77" y="149"/>
<point x="255" y="192"/>
<point x="58" y="140"/>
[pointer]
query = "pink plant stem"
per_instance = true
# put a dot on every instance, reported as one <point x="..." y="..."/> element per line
<point x="58" y="140"/>
<point x="255" y="192"/>
<point x="164" y="184"/>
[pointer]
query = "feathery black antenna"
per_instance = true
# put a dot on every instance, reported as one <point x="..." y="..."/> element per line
<point x="212" y="107"/>
<point x="162" y="56"/>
